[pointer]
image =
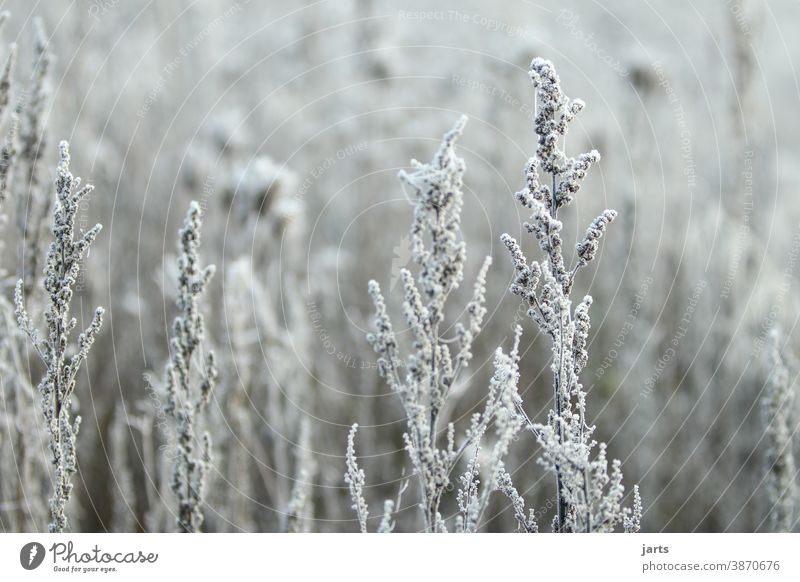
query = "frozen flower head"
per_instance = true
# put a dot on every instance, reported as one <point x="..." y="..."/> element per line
<point x="555" y="111"/>
<point x="436" y="243"/>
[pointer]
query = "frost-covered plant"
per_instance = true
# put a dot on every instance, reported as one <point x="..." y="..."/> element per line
<point x="62" y="360"/>
<point x="776" y="407"/>
<point x="188" y="398"/>
<point x="588" y="498"/>
<point x="432" y="369"/>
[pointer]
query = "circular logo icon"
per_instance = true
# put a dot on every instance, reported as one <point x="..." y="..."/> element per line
<point x="31" y="555"/>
